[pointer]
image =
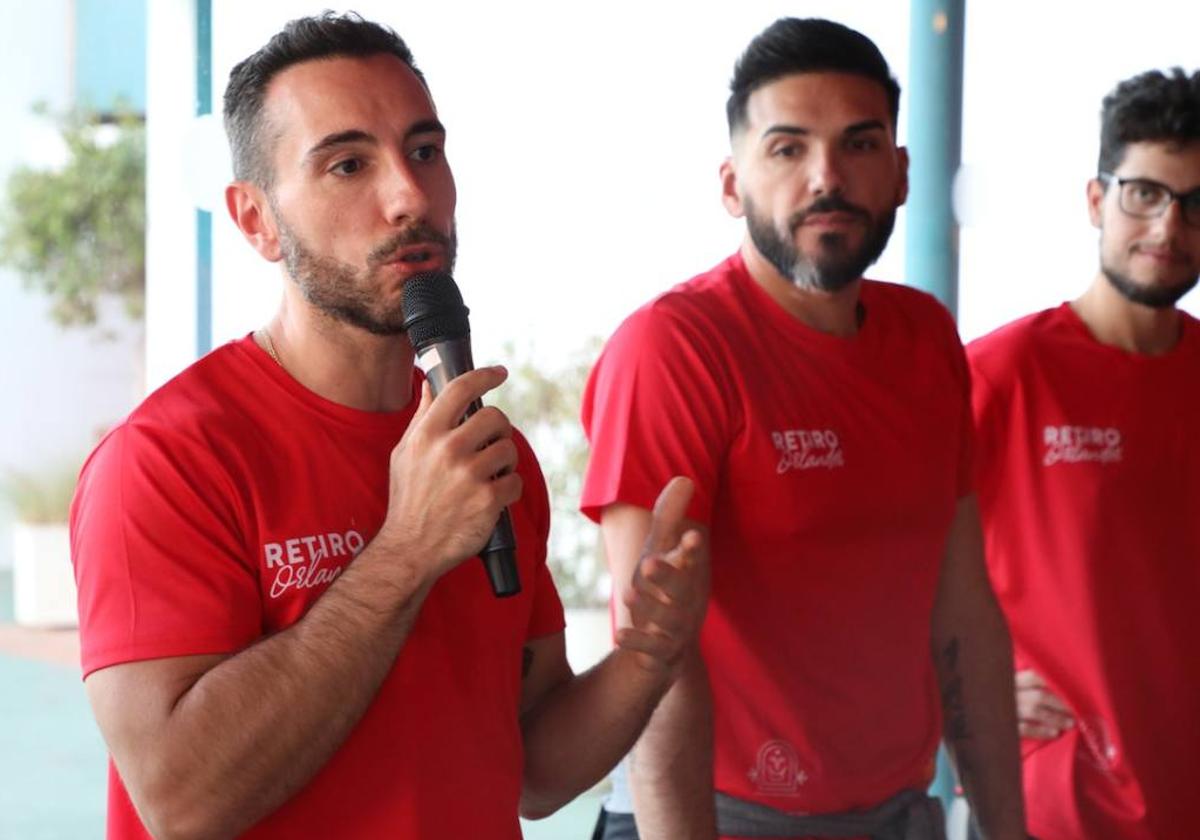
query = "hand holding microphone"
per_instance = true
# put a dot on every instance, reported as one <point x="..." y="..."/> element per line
<point x="436" y="321"/>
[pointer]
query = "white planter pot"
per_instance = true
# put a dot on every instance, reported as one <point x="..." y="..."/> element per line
<point x="43" y="580"/>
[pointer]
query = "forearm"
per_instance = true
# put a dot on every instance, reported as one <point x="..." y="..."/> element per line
<point x="253" y="730"/>
<point x="671" y="766"/>
<point x="581" y="729"/>
<point x="974" y="663"/>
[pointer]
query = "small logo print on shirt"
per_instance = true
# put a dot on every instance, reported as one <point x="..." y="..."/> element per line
<point x="298" y="562"/>
<point x="1081" y="444"/>
<point x="807" y="449"/>
<point x="777" y="771"/>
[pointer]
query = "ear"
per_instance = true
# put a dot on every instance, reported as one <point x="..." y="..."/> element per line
<point x="902" y="184"/>
<point x="729" y="189"/>
<point x="251" y="212"/>
<point x="1095" y="201"/>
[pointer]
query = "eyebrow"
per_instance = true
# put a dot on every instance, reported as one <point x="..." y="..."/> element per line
<point x="856" y="128"/>
<point x="356" y="135"/>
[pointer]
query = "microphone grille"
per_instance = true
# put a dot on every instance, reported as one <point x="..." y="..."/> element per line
<point x="434" y="309"/>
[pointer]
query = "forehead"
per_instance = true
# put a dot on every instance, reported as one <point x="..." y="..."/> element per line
<point x="817" y="101"/>
<point x="1176" y="165"/>
<point x="378" y="94"/>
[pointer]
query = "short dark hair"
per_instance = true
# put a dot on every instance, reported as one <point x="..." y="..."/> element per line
<point x="327" y="35"/>
<point x="1150" y="107"/>
<point x="806" y="45"/>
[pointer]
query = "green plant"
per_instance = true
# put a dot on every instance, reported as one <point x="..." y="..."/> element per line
<point x="544" y="405"/>
<point x="77" y="232"/>
<point x="42" y="498"/>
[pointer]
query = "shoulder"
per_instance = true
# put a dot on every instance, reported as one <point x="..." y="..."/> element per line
<point x="210" y="389"/>
<point x="182" y="427"/>
<point x="1002" y="353"/>
<point x="693" y="315"/>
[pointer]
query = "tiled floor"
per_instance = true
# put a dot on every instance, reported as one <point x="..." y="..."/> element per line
<point x="52" y="759"/>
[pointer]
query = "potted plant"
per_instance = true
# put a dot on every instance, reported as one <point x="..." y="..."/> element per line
<point x="43" y="579"/>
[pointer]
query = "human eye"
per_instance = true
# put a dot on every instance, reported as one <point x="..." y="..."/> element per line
<point x="863" y="143"/>
<point x="1144" y="193"/>
<point x="346" y="166"/>
<point x="426" y="152"/>
<point x="786" y="150"/>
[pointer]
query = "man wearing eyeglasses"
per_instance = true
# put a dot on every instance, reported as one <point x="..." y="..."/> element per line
<point x="1088" y="419"/>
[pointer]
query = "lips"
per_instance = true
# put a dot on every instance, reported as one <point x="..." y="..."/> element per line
<point x="1162" y="255"/>
<point x="831" y="219"/>
<point x="419" y="253"/>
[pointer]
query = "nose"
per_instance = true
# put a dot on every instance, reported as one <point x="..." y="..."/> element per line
<point x="825" y="172"/>
<point x="1172" y="218"/>
<point x="405" y="196"/>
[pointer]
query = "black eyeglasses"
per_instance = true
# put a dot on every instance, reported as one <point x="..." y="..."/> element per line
<point x="1146" y="199"/>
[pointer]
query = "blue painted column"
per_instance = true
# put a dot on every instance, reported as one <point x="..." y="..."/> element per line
<point x="203" y="217"/>
<point x="935" y="84"/>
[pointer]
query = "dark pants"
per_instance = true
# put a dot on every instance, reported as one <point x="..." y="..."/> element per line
<point x="615" y="826"/>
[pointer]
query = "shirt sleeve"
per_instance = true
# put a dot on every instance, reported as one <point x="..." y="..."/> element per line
<point x="656" y="406"/>
<point x="160" y="560"/>
<point x="987" y="417"/>
<point x="546" y="613"/>
<point x="966" y="447"/>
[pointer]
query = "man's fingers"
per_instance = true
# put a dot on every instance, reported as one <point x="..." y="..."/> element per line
<point x="660" y="579"/>
<point x="687" y="554"/>
<point x="667" y="516"/>
<point x="1037" y="730"/>
<point x="496" y="459"/>
<point x="651" y="644"/>
<point x="481" y="429"/>
<point x="451" y="404"/>
<point x="1052" y="702"/>
<point x="1028" y="679"/>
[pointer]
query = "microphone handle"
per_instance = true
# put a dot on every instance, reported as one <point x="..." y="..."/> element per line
<point x="442" y="362"/>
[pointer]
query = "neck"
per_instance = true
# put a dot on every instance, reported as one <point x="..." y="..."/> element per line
<point x="1118" y="322"/>
<point x="339" y="362"/>
<point x="833" y="313"/>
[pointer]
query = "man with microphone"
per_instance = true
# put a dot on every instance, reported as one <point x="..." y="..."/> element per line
<point x="826" y="423"/>
<point x="280" y="636"/>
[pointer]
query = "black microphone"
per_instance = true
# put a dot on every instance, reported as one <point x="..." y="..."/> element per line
<point x="435" y="319"/>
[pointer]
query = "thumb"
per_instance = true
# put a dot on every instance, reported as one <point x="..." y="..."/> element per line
<point x="666" y="519"/>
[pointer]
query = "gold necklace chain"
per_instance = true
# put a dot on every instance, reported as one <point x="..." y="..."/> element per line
<point x="269" y="345"/>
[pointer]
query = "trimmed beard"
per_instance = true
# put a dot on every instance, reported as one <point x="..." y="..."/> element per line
<point x="1155" y="297"/>
<point x="827" y="274"/>
<point x="346" y="293"/>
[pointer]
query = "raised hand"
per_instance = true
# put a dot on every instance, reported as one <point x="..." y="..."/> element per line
<point x="668" y="593"/>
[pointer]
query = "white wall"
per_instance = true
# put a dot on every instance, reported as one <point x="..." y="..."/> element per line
<point x="1035" y="75"/>
<point x="586" y="140"/>
<point x="585" y="145"/>
<point x="57" y="388"/>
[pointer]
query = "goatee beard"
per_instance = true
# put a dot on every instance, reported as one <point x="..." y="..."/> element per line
<point x="1155" y="297"/>
<point x="830" y="273"/>
<point x="348" y="294"/>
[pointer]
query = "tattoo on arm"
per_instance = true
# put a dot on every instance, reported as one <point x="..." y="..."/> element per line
<point x="954" y="712"/>
<point x="953" y="707"/>
<point x="526" y="661"/>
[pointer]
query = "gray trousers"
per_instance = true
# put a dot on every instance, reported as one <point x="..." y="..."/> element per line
<point x="909" y="815"/>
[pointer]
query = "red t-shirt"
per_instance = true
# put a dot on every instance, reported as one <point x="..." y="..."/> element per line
<point x="223" y="508"/>
<point x="1089" y="484"/>
<point x="828" y="470"/>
